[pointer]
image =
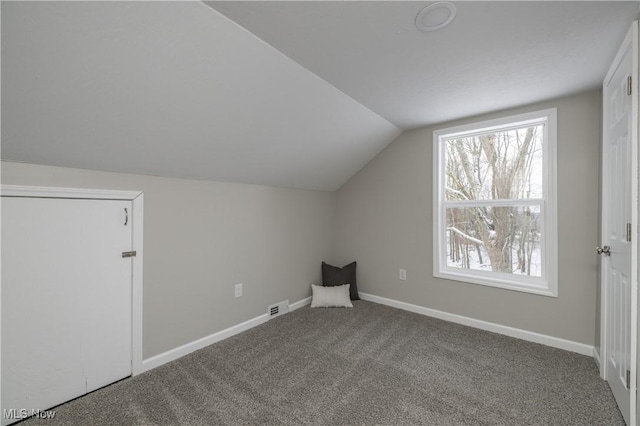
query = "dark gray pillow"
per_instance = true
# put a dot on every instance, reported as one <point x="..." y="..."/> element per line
<point x="332" y="276"/>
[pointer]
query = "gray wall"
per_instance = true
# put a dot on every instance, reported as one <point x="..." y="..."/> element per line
<point x="201" y="238"/>
<point x="384" y="221"/>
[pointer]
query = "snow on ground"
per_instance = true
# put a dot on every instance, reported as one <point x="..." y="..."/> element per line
<point x="474" y="260"/>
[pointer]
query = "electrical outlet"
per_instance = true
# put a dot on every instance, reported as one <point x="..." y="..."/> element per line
<point x="403" y="274"/>
<point x="239" y="290"/>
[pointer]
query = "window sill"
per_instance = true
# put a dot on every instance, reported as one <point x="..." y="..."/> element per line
<point x="539" y="287"/>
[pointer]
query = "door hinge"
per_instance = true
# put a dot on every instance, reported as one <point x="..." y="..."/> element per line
<point x="628" y="377"/>
<point x="628" y="232"/>
<point x="629" y="85"/>
<point x="129" y="253"/>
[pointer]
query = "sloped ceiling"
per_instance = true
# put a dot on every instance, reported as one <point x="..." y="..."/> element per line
<point x="294" y="94"/>
<point x="172" y="89"/>
<point x="494" y="55"/>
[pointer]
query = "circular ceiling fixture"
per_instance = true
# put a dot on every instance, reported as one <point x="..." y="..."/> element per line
<point x="435" y="16"/>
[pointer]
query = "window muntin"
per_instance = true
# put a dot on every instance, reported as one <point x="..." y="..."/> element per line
<point x="495" y="203"/>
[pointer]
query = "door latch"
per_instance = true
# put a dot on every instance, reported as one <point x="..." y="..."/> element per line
<point x="129" y="253"/>
<point x="604" y="250"/>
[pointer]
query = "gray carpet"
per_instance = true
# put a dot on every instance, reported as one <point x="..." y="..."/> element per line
<point x="368" y="365"/>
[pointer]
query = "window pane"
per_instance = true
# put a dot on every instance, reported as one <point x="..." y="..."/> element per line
<point x="498" y="165"/>
<point x="497" y="239"/>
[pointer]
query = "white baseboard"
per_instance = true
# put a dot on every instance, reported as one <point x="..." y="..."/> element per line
<point x="173" y="354"/>
<point x="170" y="355"/>
<point x="530" y="336"/>
<point x="299" y="304"/>
<point x="596" y="358"/>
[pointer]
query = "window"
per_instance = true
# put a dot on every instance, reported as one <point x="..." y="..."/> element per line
<point x="495" y="220"/>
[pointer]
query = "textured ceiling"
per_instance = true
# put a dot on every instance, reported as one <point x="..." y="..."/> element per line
<point x="494" y="55"/>
<point x="303" y="97"/>
<point x="172" y="89"/>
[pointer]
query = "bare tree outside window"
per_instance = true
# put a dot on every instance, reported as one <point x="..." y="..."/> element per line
<point x="494" y="205"/>
<point x="497" y="166"/>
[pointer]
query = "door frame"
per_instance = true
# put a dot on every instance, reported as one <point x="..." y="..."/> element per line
<point x="632" y="35"/>
<point x="635" y="129"/>
<point x="137" y="215"/>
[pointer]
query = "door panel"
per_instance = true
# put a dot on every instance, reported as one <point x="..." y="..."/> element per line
<point x="66" y="299"/>
<point x="618" y="277"/>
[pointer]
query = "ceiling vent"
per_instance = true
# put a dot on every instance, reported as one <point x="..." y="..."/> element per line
<point x="278" y="309"/>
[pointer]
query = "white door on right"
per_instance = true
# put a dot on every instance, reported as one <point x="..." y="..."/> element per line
<point x="618" y="275"/>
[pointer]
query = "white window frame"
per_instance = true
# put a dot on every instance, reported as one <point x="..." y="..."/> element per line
<point x="547" y="284"/>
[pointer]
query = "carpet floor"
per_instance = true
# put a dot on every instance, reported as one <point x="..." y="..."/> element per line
<point x="371" y="364"/>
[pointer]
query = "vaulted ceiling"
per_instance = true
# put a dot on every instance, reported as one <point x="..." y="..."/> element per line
<point x="172" y="89"/>
<point x="493" y="55"/>
<point x="291" y="94"/>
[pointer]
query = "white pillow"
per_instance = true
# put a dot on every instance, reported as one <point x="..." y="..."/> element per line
<point x="331" y="297"/>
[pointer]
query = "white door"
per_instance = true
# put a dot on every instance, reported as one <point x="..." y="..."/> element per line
<point x="66" y="300"/>
<point x="619" y="287"/>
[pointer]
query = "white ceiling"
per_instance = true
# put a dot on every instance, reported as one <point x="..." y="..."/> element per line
<point x="494" y="55"/>
<point x="177" y="89"/>
<point x="172" y="89"/>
